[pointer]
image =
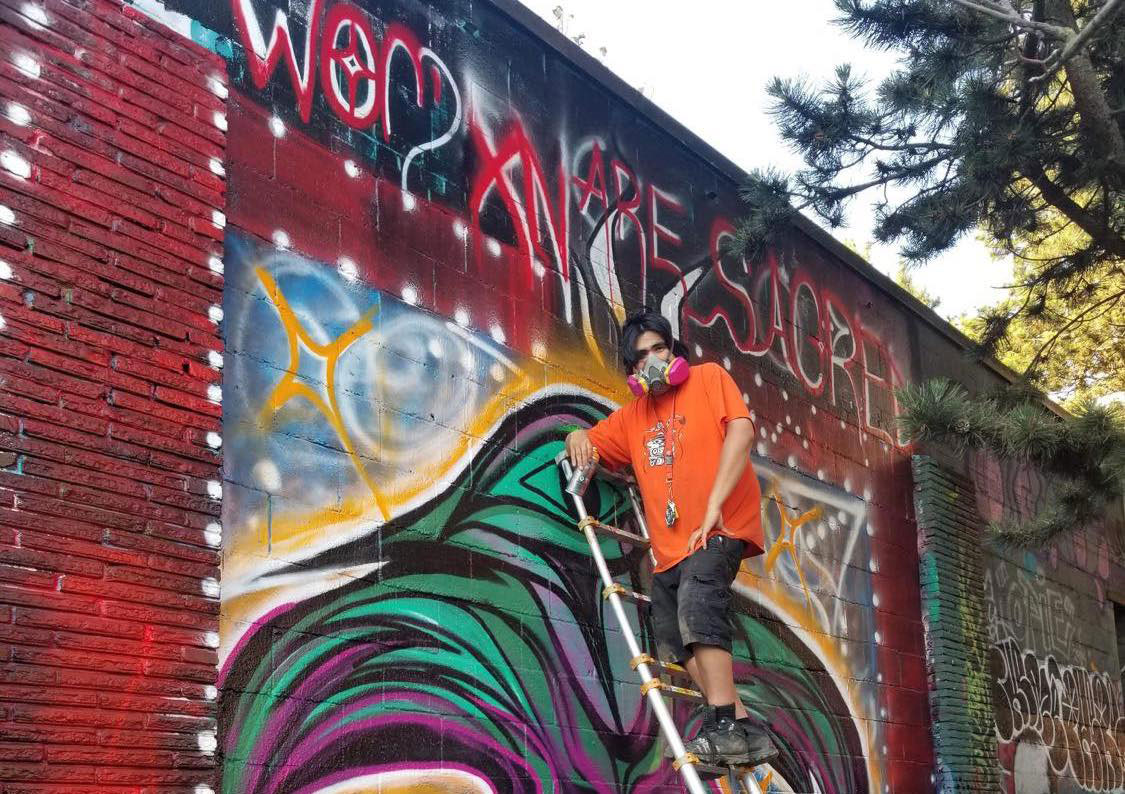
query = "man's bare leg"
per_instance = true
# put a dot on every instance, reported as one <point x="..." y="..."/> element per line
<point x="712" y="670"/>
<point x="693" y="670"/>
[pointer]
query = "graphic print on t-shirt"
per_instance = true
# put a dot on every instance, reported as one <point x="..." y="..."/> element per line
<point x="660" y="451"/>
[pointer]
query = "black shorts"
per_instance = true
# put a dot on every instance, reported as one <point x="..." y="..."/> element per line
<point x="691" y="600"/>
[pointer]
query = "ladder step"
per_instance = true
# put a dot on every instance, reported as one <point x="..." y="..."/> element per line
<point x="613" y="532"/>
<point x="640" y="599"/>
<point x="712" y="772"/>
<point x="676" y="674"/>
<point x="681" y="692"/>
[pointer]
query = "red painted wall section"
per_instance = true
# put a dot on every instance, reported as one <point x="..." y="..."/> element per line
<point x="111" y="232"/>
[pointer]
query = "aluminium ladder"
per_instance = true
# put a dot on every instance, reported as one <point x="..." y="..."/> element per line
<point x="687" y="764"/>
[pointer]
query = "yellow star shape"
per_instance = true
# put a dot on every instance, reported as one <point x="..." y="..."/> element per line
<point x="787" y="537"/>
<point x="289" y="387"/>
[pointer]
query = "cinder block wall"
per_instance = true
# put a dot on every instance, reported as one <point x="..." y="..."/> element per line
<point x="112" y="194"/>
<point x="434" y="218"/>
<point x="1023" y="651"/>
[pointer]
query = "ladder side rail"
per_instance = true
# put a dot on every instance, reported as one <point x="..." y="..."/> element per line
<point x="687" y="770"/>
<point x="639" y="512"/>
<point x="656" y="700"/>
<point x="750" y="784"/>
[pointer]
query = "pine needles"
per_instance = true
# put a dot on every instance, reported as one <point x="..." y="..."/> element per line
<point x="1082" y="457"/>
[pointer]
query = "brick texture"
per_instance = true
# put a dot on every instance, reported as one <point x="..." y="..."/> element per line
<point x="952" y="581"/>
<point x="109" y="417"/>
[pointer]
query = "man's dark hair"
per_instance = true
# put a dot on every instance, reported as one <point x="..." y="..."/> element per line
<point x="639" y="323"/>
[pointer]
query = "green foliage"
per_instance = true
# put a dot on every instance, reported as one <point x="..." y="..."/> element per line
<point x="1082" y="457"/>
<point x="1073" y="356"/>
<point x="767" y="196"/>
<point x="1002" y="116"/>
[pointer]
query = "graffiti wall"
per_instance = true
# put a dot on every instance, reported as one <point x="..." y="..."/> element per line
<point x="1056" y="685"/>
<point x="435" y="224"/>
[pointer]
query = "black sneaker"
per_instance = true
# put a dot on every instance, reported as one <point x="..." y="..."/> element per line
<point x="725" y="744"/>
<point x="761" y="749"/>
<point x="708" y="714"/>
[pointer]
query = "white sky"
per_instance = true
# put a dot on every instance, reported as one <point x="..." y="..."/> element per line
<point x="709" y="68"/>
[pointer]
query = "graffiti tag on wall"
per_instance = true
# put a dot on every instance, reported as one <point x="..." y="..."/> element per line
<point x="606" y="228"/>
<point x="1057" y="723"/>
<point x="445" y="270"/>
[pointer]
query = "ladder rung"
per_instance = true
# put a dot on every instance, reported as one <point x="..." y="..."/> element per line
<point x="673" y="668"/>
<point x="613" y="532"/>
<point x="629" y="595"/>
<point x="712" y="772"/>
<point x="681" y="692"/>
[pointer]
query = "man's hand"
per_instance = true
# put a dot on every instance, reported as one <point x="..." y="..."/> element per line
<point x="579" y="448"/>
<point x="712" y="520"/>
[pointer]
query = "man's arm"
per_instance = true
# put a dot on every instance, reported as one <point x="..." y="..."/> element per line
<point x="733" y="459"/>
<point x="607" y="437"/>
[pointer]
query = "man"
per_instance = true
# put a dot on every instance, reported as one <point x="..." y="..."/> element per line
<point x="688" y="437"/>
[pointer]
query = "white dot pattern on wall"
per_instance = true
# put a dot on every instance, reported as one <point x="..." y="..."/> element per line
<point x="26" y="64"/>
<point x="12" y="162"/>
<point x="18" y="114"/>
<point x="347" y="268"/>
<point x="36" y="14"/>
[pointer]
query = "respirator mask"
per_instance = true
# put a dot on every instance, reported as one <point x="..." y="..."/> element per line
<point x="657" y="376"/>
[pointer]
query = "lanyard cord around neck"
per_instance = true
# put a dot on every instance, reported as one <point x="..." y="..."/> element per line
<point x="670" y="512"/>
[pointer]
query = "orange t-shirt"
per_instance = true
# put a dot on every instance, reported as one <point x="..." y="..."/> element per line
<point x="637" y="434"/>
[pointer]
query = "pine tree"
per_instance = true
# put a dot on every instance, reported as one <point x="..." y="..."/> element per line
<point x="1073" y="356"/>
<point x="1082" y="457"/>
<point x="1001" y="115"/>
<point x="1006" y="116"/>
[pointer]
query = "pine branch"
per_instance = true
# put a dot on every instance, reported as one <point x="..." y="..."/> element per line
<point x="997" y="11"/>
<point x="1070" y="323"/>
<point x="1105" y="235"/>
<point x="1059" y="57"/>
<point x="1082" y="458"/>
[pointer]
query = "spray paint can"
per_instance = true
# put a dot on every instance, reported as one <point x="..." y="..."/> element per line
<point x="580" y="479"/>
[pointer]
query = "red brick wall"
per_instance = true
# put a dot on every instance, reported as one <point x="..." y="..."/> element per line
<point x="110" y="361"/>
